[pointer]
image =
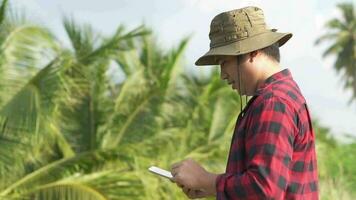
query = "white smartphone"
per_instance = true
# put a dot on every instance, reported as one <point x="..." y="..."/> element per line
<point x="161" y="172"/>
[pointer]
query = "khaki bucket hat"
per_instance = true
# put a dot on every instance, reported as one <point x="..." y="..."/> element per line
<point x="238" y="32"/>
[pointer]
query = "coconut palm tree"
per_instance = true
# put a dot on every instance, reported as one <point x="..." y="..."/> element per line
<point x="39" y="160"/>
<point x="342" y="34"/>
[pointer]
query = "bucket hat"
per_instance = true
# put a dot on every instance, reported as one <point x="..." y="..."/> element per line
<point x="239" y="31"/>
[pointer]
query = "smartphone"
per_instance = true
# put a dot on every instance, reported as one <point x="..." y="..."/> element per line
<point x="161" y="172"/>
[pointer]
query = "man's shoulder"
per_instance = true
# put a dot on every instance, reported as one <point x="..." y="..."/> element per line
<point x="284" y="92"/>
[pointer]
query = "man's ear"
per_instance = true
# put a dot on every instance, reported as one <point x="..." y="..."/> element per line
<point x="252" y="55"/>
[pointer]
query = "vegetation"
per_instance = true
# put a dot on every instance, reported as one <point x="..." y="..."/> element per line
<point x="69" y="129"/>
<point x="342" y="34"/>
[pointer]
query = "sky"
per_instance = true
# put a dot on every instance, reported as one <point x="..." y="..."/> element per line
<point x="175" y="19"/>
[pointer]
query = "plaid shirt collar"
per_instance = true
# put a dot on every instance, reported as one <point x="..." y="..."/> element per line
<point x="284" y="74"/>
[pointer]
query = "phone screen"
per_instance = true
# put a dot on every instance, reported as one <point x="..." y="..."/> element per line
<point x="161" y="172"/>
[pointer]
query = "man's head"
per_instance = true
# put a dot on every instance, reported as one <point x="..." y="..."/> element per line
<point x="247" y="71"/>
<point x="243" y="34"/>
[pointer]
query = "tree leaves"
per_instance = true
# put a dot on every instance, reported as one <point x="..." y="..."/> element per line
<point x="342" y="34"/>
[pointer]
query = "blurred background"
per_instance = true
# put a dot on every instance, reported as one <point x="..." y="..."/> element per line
<point x="92" y="93"/>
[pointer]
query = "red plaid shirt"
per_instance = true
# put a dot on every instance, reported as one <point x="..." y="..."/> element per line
<point x="272" y="153"/>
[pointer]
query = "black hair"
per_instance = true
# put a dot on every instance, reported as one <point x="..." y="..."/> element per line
<point x="272" y="51"/>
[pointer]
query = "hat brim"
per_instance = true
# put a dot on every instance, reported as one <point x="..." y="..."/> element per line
<point x="243" y="46"/>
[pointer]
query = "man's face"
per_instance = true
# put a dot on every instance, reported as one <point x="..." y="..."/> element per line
<point x="230" y="70"/>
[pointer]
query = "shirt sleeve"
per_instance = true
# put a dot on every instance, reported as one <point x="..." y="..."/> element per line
<point x="268" y="152"/>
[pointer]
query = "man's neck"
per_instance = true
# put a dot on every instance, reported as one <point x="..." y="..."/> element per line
<point x="267" y="71"/>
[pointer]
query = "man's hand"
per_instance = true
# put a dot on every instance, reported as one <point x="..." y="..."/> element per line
<point x="195" y="181"/>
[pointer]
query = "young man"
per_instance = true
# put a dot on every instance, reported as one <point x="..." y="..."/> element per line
<point x="272" y="152"/>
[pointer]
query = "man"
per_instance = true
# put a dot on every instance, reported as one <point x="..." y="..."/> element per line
<point x="272" y="152"/>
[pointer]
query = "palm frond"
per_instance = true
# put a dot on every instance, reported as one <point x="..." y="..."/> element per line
<point x="76" y="176"/>
<point x="81" y="119"/>
<point x="22" y="110"/>
<point x="129" y="105"/>
<point x="26" y="50"/>
<point x="347" y="10"/>
<point x="151" y="80"/>
<point x="120" y="41"/>
<point x="82" y="38"/>
<point x="342" y="35"/>
<point x="172" y="70"/>
<point x="3" y="9"/>
<point x="25" y="119"/>
<point x="326" y="37"/>
<point x="336" y="24"/>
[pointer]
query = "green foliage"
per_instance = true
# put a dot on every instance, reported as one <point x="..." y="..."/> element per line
<point x="342" y="34"/>
<point x="336" y="162"/>
<point x="2" y="10"/>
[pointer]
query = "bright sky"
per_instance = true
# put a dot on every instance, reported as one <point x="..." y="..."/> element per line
<point x="175" y="19"/>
